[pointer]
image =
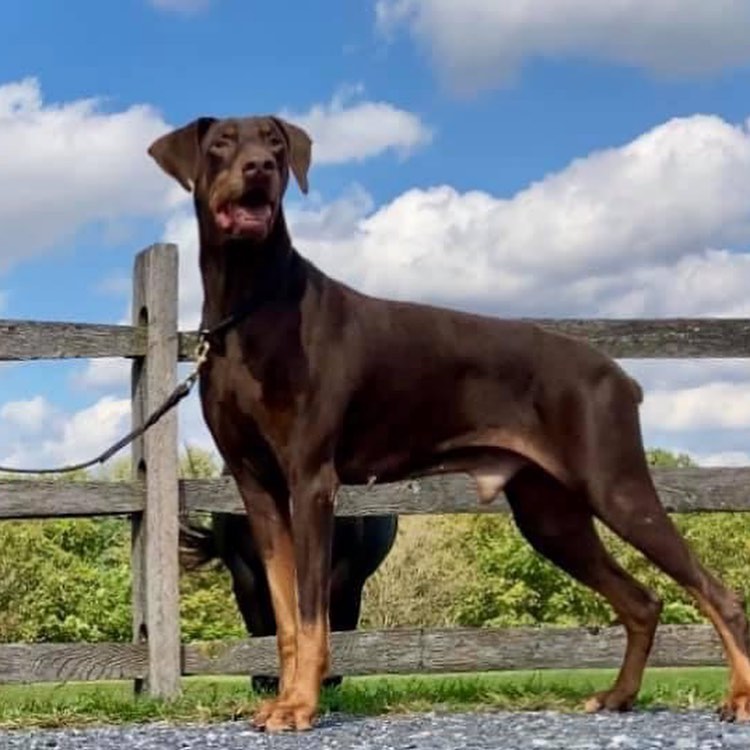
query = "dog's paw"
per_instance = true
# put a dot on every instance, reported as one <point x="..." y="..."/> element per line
<point x="285" y="716"/>
<point x="609" y="700"/>
<point x="264" y="710"/>
<point x="736" y="708"/>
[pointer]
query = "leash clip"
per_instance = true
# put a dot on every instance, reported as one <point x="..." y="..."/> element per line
<point x="200" y="354"/>
<point x="202" y="349"/>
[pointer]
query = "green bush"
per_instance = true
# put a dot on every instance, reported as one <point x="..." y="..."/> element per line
<point x="71" y="581"/>
<point x="511" y="585"/>
<point x="64" y="581"/>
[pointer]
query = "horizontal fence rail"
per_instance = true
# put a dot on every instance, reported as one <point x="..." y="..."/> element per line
<point x="687" y="490"/>
<point x="22" y="340"/>
<point x="668" y="338"/>
<point x="370" y="652"/>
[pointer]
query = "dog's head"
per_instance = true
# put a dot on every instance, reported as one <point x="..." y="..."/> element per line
<point x="238" y="169"/>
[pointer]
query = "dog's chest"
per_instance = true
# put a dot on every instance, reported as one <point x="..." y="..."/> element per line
<point x="241" y="400"/>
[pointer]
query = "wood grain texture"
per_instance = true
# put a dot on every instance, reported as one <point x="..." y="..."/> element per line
<point x="399" y="651"/>
<point x="48" y="498"/>
<point x="669" y="338"/>
<point x="59" y="662"/>
<point x="656" y="338"/>
<point x="24" y="340"/>
<point x="681" y="491"/>
<point x="156" y="605"/>
<point x="407" y="651"/>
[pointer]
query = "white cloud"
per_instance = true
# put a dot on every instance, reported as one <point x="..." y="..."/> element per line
<point x="181" y="6"/>
<point x="91" y="430"/>
<point x="182" y="229"/>
<point x="703" y="407"/>
<point x="625" y="231"/>
<point x="668" y="374"/>
<point x="707" y="417"/>
<point x="476" y="44"/>
<point x="689" y="406"/>
<point x="28" y="415"/>
<point x="346" y="130"/>
<point x="61" y="438"/>
<point x="66" y="165"/>
<point x="728" y="458"/>
<point x="106" y="373"/>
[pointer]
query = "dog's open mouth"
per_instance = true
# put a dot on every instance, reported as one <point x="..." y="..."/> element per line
<point x="249" y="216"/>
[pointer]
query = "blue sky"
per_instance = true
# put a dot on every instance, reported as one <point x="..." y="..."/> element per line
<point x="544" y="158"/>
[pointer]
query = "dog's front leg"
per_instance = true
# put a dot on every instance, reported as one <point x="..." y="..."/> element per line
<point x="313" y="496"/>
<point x="278" y="561"/>
<point x="270" y="523"/>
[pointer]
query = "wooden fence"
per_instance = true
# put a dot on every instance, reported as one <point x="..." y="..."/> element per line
<point x="155" y="497"/>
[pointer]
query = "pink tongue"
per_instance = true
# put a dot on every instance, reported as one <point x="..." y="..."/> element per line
<point x="242" y="218"/>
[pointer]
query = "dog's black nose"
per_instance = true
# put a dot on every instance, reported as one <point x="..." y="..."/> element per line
<point x="256" y="167"/>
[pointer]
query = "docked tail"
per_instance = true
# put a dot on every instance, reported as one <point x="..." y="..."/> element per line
<point x="197" y="547"/>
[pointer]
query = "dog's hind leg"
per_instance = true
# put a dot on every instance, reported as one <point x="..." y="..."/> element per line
<point x="559" y="525"/>
<point x="622" y="494"/>
<point x="633" y="511"/>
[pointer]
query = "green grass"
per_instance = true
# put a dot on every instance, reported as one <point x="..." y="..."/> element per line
<point x="217" y="699"/>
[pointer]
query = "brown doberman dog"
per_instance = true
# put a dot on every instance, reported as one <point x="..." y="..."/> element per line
<point x="316" y="385"/>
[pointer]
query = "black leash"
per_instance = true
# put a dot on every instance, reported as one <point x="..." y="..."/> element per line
<point x="174" y="398"/>
<point x="206" y="337"/>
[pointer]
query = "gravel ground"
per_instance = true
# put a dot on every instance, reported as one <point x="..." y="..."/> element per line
<point x="646" y="730"/>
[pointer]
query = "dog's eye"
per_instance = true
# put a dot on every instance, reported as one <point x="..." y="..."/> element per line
<point x="221" y="145"/>
<point x="275" y="142"/>
<point x="219" y="150"/>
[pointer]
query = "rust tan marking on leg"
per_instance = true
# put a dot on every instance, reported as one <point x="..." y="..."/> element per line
<point x="313" y="656"/>
<point x="281" y="582"/>
<point x="299" y="707"/>
<point x="737" y="704"/>
<point x="282" y="586"/>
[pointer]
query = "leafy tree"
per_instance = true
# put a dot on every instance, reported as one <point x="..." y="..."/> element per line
<point x="664" y="459"/>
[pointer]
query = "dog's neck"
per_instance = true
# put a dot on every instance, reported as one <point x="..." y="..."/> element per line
<point x="236" y="272"/>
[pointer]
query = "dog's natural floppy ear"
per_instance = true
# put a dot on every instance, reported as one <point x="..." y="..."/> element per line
<point x="300" y="151"/>
<point x="178" y="152"/>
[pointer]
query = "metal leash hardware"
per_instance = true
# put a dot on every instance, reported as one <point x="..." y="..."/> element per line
<point x="180" y="392"/>
<point x="200" y="354"/>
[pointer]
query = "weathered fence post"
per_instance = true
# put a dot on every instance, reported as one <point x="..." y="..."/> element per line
<point x="156" y="615"/>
